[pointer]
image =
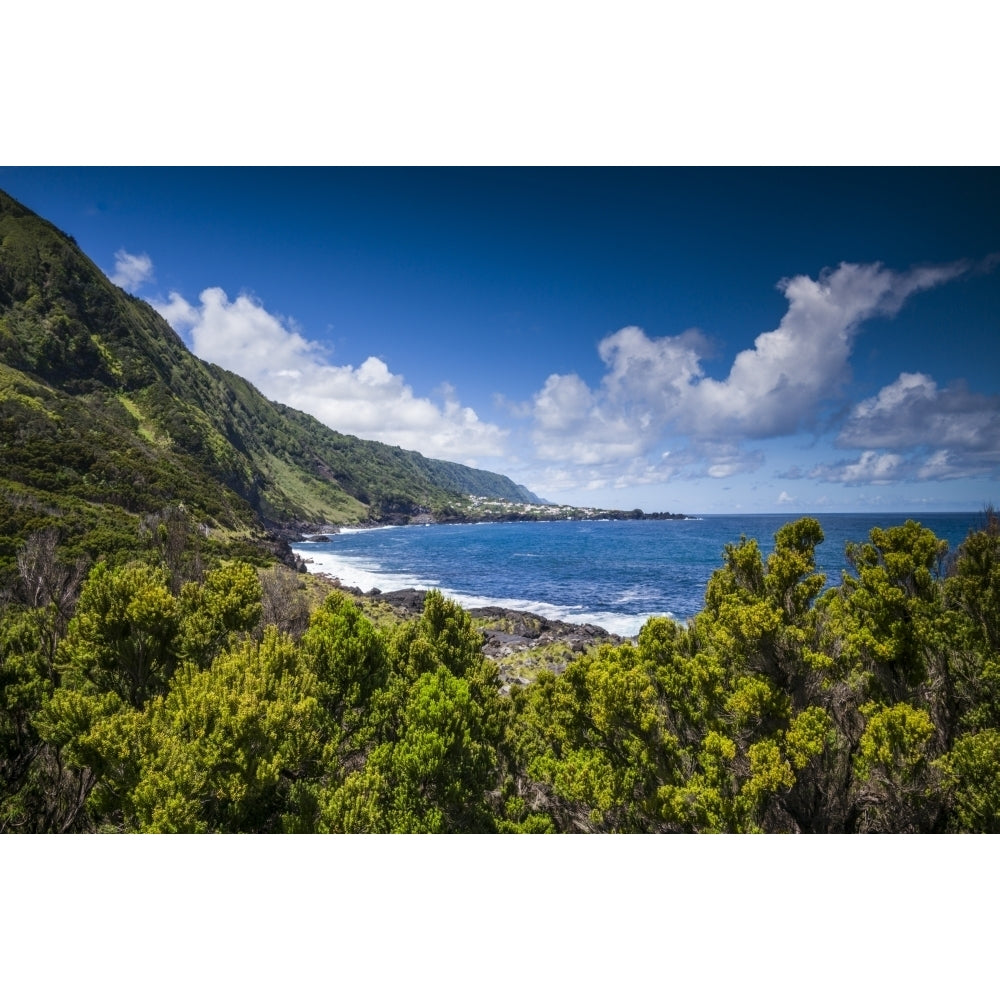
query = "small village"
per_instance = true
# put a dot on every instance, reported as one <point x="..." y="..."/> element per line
<point x="492" y="509"/>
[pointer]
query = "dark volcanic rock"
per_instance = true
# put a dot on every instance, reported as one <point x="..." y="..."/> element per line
<point x="525" y="631"/>
<point x="407" y="600"/>
<point x="522" y="623"/>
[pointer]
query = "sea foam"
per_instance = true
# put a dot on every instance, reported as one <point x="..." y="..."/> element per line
<point x="367" y="575"/>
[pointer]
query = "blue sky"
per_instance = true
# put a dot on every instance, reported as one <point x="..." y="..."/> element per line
<point x="701" y="340"/>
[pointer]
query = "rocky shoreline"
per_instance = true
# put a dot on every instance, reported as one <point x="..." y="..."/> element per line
<point x="520" y="643"/>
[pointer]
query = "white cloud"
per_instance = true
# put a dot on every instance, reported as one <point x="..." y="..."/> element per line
<point x="131" y="270"/>
<point x="177" y="311"/>
<point x="564" y="403"/>
<point x="655" y="416"/>
<point x="732" y="461"/>
<point x="623" y="418"/>
<point x="940" y="465"/>
<point x="655" y="389"/>
<point x="777" y="387"/>
<point x="871" y="468"/>
<point x="914" y="430"/>
<point x="369" y="400"/>
<point x="962" y="427"/>
<point x="649" y="379"/>
<point x="570" y="424"/>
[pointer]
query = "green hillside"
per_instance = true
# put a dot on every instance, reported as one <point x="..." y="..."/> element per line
<point x="105" y="415"/>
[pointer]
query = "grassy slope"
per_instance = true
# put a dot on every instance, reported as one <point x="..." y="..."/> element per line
<point x="105" y="414"/>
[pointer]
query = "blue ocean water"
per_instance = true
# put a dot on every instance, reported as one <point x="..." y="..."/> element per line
<point x="615" y="574"/>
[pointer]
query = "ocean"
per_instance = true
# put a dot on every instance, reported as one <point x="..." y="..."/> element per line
<point x="614" y="574"/>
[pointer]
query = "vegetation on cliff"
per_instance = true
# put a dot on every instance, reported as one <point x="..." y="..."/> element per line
<point x="158" y="696"/>
<point x="105" y="416"/>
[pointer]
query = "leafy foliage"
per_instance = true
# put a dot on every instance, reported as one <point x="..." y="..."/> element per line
<point x="151" y="705"/>
<point x="778" y="709"/>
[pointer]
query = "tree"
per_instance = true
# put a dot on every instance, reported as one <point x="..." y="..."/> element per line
<point x="437" y="727"/>
<point x="972" y="774"/>
<point x="972" y="597"/>
<point x="174" y="540"/>
<point x="434" y="776"/>
<point x="225" y="608"/>
<point x="899" y="790"/>
<point x="283" y="601"/>
<point x="47" y="581"/>
<point x="25" y="685"/>
<point x="349" y="656"/>
<point x="223" y="749"/>
<point x="890" y="614"/>
<point x="597" y="737"/>
<point x="123" y="635"/>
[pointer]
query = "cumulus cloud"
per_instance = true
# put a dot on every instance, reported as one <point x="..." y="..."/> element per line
<point x="570" y="425"/>
<point x="649" y="379"/>
<point x="655" y="389"/>
<point x="177" y="311"/>
<point x="725" y="460"/>
<point x="565" y="403"/>
<point x="871" y="468"/>
<point x="564" y="477"/>
<point x="624" y="417"/>
<point x="776" y="387"/>
<point x="945" y="433"/>
<point x="913" y="411"/>
<point x="369" y="400"/>
<point x="131" y="270"/>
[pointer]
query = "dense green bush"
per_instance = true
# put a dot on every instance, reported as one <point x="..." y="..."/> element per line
<point x="162" y="701"/>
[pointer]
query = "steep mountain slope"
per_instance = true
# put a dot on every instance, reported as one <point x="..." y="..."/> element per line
<point x="105" y="415"/>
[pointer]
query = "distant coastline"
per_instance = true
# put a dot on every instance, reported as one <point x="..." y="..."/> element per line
<point x="552" y="512"/>
<point x="484" y="510"/>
